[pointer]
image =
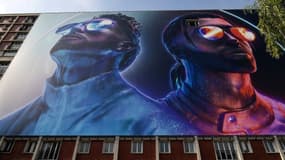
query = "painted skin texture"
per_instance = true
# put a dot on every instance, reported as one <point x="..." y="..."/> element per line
<point x="86" y="94"/>
<point x="216" y="95"/>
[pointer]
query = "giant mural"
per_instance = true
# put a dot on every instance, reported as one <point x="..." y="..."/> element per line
<point x="144" y="73"/>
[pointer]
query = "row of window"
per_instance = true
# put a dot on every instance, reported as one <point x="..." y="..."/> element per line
<point x="9" y="49"/>
<point x="13" y="36"/>
<point x="224" y="150"/>
<point x="84" y="146"/>
<point x="164" y="146"/>
<point x="15" y="28"/>
<point x="14" y="46"/>
<point x="189" y="147"/>
<point x="136" y="147"/>
<point x="11" y="19"/>
<point x="8" y="53"/>
<point x="269" y="146"/>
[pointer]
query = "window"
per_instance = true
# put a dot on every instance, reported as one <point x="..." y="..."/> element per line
<point x="3" y="68"/>
<point x="164" y="147"/>
<point x="189" y="146"/>
<point x="24" y="28"/>
<point x="29" y="19"/>
<point x="10" y="53"/>
<point x="137" y="147"/>
<point x="49" y="150"/>
<point x="20" y="36"/>
<point x="8" y="20"/>
<point x="15" y="46"/>
<point x="269" y="146"/>
<point x="225" y="150"/>
<point x="245" y="146"/>
<point x="84" y="147"/>
<point x="30" y="146"/>
<point x="282" y="144"/>
<point x="4" y="27"/>
<point x="7" y="146"/>
<point x="108" y="147"/>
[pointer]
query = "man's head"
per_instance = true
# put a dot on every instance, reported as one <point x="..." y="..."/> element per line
<point x="116" y="34"/>
<point x="211" y="41"/>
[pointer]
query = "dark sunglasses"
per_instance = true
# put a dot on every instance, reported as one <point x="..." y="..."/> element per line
<point x="217" y="32"/>
<point x="90" y="26"/>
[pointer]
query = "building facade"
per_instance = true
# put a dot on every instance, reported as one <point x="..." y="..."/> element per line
<point x="143" y="148"/>
<point x="13" y="31"/>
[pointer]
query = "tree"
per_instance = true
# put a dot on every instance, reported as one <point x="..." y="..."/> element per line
<point x="272" y="25"/>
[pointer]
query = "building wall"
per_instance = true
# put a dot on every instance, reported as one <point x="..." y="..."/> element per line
<point x="177" y="152"/>
<point x="67" y="149"/>
<point x="95" y="152"/>
<point x="207" y="150"/>
<point x="259" y="152"/>
<point x="17" y="152"/>
<point x="125" y="151"/>
<point x="13" y="31"/>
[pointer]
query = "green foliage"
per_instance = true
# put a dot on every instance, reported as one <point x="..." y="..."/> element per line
<point x="272" y="25"/>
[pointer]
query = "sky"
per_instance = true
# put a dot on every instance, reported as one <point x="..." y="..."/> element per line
<point x="43" y="6"/>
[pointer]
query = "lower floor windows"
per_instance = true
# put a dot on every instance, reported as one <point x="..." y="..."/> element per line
<point x="108" y="146"/>
<point x="137" y="147"/>
<point x="225" y="150"/>
<point x="7" y="145"/>
<point x="49" y="150"/>
<point x="30" y="146"/>
<point x="164" y="147"/>
<point x="189" y="146"/>
<point x="269" y="146"/>
<point x="84" y="147"/>
<point x="245" y="146"/>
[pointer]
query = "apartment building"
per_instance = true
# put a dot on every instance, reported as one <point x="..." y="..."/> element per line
<point x="13" y="31"/>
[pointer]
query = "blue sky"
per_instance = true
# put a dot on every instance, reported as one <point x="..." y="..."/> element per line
<point x="39" y="6"/>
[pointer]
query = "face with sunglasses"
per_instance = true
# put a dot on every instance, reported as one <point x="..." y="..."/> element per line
<point x="99" y="33"/>
<point x="218" y="45"/>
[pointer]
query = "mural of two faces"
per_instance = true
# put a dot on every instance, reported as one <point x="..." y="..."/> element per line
<point x="144" y="73"/>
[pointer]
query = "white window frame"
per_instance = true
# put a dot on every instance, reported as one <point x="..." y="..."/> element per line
<point x="190" y="144"/>
<point x="166" y="146"/>
<point x="137" y="147"/>
<point x="7" y="143"/>
<point x="245" y="146"/>
<point x="50" y="155"/>
<point x="84" y="147"/>
<point x="225" y="148"/>
<point x="267" y="144"/>
<point x="30" y="146"/>
<point x="108" y="147"/>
